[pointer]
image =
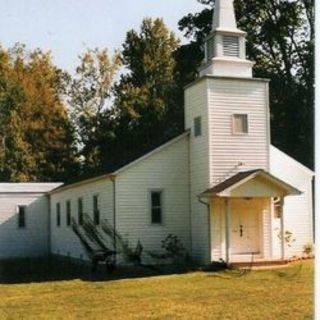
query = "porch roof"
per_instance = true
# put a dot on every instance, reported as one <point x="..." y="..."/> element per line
<point x="254" y="183"/>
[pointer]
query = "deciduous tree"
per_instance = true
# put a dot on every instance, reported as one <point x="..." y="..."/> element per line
<point x="35" y="132"/>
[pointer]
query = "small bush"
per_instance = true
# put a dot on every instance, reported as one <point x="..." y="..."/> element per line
<point x="173" y="251"/>
<point x="308" y="249"/>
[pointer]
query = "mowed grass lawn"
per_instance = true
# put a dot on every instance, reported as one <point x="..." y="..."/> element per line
<point x="270" y="294"/>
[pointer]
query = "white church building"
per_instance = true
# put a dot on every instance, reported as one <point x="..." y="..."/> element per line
<point x="221" y="186"/>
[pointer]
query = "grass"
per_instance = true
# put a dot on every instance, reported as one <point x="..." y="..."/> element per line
<point x="270" y="294"/>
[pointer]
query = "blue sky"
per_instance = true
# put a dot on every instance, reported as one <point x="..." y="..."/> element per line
<point x="68" y="27"/>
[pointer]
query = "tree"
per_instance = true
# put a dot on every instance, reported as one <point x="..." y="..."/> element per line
<point x="145" y="102"/>
<point x="36" y="135"/>
<point x="280" y="38"/>
<point x="89" y="97"/>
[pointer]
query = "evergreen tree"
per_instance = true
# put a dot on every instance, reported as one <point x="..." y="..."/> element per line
<point x="281" y="42"/>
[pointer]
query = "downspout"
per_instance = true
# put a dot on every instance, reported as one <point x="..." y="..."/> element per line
<point x="208" y="224"/>
<point x="113" y="179"/>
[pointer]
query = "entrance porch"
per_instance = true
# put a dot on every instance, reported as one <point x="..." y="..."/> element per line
<point x="241" y="213"/>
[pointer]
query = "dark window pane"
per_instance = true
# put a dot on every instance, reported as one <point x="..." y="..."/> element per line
<point x="68" y="204"/>
<point x="197" y="127"/>
<point x="58" y="214"/>
<point x="97" y="217"/>
<point x="95" y="203"/>
<point x="156" y="215"/>
<point x="22" y="217"/>
<point x="80" y="212"/>
<point x="156" y="199"/>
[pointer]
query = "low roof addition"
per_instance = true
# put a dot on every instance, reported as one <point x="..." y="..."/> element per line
<point x="28" y="187"/>
<point x="254" y="183"/>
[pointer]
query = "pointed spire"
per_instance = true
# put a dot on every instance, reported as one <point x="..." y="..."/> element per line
<point x="225" y="49"/>
<point x="224" y="16"/>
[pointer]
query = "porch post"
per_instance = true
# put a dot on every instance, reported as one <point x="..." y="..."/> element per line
<point x="282" y="234"/>
<point x="227" y="227"/>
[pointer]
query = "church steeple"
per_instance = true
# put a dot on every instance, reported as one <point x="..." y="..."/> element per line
<point x="225" y="50"/>
<point x="224" y="17"/>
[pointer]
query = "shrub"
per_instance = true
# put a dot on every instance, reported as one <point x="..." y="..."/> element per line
<point x="308" y="249"/>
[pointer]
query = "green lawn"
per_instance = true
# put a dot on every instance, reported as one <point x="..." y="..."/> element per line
<point x="273" y="294"/>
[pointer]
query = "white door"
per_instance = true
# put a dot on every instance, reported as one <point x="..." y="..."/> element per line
<point x="245" y="227"/>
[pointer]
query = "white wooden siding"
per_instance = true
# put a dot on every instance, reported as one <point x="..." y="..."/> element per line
<point x="166" y="170"/>
<point x="63" y="240"/>
<point x="236" y="96"/>
<point x="31" y="241"/>
<point x="297" y="209"/>
<point x="196" y="104"/>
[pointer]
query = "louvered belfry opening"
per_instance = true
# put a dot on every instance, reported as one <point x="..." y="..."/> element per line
<point x="231" y="46"/>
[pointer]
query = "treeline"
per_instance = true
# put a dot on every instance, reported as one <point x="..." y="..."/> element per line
<point x="117" y="106"/>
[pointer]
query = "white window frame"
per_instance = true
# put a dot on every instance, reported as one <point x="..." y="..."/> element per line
<point x="161" y="191"/>
<point x="233" y="124"/>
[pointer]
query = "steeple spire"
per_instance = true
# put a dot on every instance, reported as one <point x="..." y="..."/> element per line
<point x="225" y="50"/>
<point x="224" y="16"/>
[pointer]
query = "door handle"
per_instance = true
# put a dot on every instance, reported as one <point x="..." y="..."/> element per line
<point x="241" y="230"/>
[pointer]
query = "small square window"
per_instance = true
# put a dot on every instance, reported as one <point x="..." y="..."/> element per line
<point x="156" y="207"/>
<point x="197" y="127"/>
<point x="240" y="124"/>
<point x="21" y="217"/>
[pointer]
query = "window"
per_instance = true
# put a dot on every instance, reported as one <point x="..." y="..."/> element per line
<point x="96" y="212"/>
<point x="231" y="46"/>
<point x="21" y="217"/>
<point x="58" y="214"/>
<point x="210" y="48"/>
<point x="80" y="211"/>
<point x="156" y="207"/>
<point x="197" y="127"/>
<point x="278" y="207"/>
<point x="68" y="213"/>
<point x="240" y="124"/>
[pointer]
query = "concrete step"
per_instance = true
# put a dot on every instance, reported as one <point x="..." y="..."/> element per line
<point x="261" y="263"/>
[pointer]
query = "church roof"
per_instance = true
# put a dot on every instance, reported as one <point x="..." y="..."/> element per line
<point x="242" y="177"/>
<point x="111" y="174"/>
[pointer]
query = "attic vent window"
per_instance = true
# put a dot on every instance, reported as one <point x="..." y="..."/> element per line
<point x="231" y="46"/>
<point x="210" y="48"/>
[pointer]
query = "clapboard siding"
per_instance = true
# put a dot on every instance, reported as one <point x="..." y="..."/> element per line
<point x="63" y="240"/>
<point x="166" y="170"/>
<point x="31" y="241"/>
<point x="226" y="150"/>
<point x="196" y="104"/>
<point x="298" y="212"/>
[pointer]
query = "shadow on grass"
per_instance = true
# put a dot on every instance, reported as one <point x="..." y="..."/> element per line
<point x="52" y="269"/>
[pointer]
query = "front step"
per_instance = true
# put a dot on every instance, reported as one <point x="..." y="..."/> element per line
<point x="261" y="263"/>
